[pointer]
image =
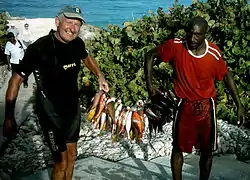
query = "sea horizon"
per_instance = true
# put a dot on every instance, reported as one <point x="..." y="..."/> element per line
<point x="98" y="13"/>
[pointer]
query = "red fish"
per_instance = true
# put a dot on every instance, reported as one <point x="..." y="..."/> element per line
<point x="138" y="123"/>
<point x="93" y="107"/>
<point x="100" y="107"/>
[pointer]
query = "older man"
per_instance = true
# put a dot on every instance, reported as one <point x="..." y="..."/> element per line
<point x="55" y="61"/>
<point x="197" y="64"/>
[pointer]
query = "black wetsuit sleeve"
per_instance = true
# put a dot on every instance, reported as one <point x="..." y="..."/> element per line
<point x="29" y="61"/>
<point x="82" y="50"/>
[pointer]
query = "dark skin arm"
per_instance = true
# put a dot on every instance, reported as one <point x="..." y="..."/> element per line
<point x="148" y="69"/>
<point x="9" y="126"/>
<point x="92" y="65"/>
<point x="230" y="85"/>
<point x="8" y="61"/>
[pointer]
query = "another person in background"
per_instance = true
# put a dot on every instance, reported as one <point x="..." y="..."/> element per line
<point x="197" y="64"/>
<point x="55" y="60"/>
<point x="26" y="35"/>
<point x="14" y="50"/>
<point x="12" y="28"/>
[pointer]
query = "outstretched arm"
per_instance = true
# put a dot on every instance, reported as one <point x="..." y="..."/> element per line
<point x="229" y="83"/>
<point x="92" y="65"/>
<point x="11" y="95"/>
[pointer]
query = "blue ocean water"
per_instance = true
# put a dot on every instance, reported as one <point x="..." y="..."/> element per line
<point x="97" y="12"/>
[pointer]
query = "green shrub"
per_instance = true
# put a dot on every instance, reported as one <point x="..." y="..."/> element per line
<point x="120" y="50"/>
<point x="3" y="40"/>
<point x="3" y="23"/>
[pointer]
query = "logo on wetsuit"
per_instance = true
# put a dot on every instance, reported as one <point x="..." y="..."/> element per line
<point x="52" y="141"/>
<point x="65" y="67"/>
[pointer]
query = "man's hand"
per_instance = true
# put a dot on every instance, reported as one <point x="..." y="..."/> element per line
<point x="103" y="85"/>
<point x="157" y="97"/>
<point x="240" y="115"/>
<point x="153" y="91"/>
<point x="230" y="85"/>
<point x="9" y="127"/>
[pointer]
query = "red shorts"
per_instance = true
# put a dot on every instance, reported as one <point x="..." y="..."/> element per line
<point x="195" y="125"/>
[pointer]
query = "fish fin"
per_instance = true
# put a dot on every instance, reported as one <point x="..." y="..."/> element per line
<point x="91" y="114"/>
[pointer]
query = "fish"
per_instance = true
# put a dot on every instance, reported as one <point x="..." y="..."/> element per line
<point x="138" y="123"/>
<point x="100" y="107"/>
<point x="128" y="121"/>
<point x="103" y="121"/>
<point x="91" y="114"/>
<point x="118" y="109"/>
<point x="95" y="100"/>
<point x="151" y="114"/>
<point x="110" y="109"/>
<point x="122" y="126"/>
<point x="94" y="103"/>
<point x="146" y="123"/>
<point x="121" y="120"/>
<point x="96" y="123"/>
<point x="161" y="106"/>
<point x="156" y="117"/>
<point x="139" y="103"/>
<point x="119" y="101"/>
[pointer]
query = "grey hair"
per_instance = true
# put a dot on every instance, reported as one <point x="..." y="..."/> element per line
<point x="60" y="17"/>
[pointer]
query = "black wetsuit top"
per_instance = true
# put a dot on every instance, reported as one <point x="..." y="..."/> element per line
<point x="58" y="75"/>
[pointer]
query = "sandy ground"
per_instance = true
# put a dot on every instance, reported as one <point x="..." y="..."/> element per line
<point x="39" y="26"/>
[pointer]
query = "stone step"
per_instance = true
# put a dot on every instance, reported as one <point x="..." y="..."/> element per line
<point x="224" y="167"/>
<point x="23" y="107"/>
<point x="160" y="166"/>
<point x="95" y="168"/>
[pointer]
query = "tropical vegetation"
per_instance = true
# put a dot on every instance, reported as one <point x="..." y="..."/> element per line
<point x="120" y="51"/>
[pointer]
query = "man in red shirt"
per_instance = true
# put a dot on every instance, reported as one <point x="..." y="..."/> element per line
<point x="197" y="64"/>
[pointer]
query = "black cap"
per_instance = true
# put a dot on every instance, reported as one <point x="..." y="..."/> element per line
<point x="10" y="35"/>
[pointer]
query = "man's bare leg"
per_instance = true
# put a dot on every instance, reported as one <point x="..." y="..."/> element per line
<point x="176" y="164"/>
<point x="59" y="169"/>
<point x="72" y="154"/>
<point x="206" y="161"/>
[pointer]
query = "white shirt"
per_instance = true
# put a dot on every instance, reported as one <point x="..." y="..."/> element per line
<point x="26" y="35"/>
<point x="15" y="51"/>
